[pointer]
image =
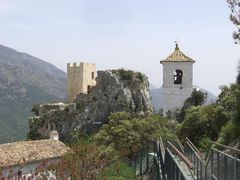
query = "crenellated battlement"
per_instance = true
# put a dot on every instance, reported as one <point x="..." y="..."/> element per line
<point x="70" y="65"/>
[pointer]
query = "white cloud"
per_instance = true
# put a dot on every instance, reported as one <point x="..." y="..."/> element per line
<point x="23" y="27"/>
<point x="6" y="8"/>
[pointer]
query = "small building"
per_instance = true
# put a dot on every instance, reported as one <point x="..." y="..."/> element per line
<point x="177" y="80"/>
<point x="80" y="79"/>
<point x="24" y="157"/>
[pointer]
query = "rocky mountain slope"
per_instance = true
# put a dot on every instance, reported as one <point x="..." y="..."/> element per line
<point x="25" y="80"/>
<point x="116" y="91"/>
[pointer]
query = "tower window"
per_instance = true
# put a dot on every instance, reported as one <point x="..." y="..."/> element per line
<point x="88" y="89"/>
<point x="178" y="76"/>
<point x="92" y="75"/>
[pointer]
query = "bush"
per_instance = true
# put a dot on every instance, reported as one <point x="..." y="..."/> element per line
<point x="229" y="133"/>
<point x="117" y="171"/>
<point x="203" y="121"/>
<point x="204" y="143"/>
<point x="128" y="134"/>
<point x="90" y="161"/>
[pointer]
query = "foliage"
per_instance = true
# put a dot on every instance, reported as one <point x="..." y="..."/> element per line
<point x="231" y="130"/>
<point x="129" y="74"/>
<point x="140" y="76"/>
<point x="89" y="161"/>
<point x="229" y="133"/>
<point x="227" y="97"/>
<point x="127" y="133"/>
<point x="217" y="121"/>
<point x="124" y="74"/>
<point x="204" y="143"/>
<point x="117" y="171"/>
<point x="197" y="98"/>
<point x="234" y="5"/>
<point x="35" y="109"/>
<point x="85" y="161"/>
<point x="236" y="118"/>
<point x="201" y="121"/>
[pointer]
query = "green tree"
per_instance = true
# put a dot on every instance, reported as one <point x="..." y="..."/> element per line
<point x="234" y="5"/>
<point x="227" y="98"/>
<point x="89" y="161"/>
<point x="197" y="98"/>
<point x="231" y="131"/>
<point x="203" y="121"/>
<point x="128" y="133"/>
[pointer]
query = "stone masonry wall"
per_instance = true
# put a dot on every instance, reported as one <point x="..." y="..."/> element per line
<point x="81" y="77"/>
<point x="115" y="91"/>
<point x="175" y="94"/>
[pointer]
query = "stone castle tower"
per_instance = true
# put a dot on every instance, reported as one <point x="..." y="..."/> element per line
<point x="177" y="80"/>
<point x="80" y="79"/>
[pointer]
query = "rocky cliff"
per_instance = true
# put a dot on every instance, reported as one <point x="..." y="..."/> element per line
<point x="116" y="90"/>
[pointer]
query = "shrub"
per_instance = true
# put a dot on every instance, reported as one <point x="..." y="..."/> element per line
<point x="204" y="143"/>
<point x="203" y="121"/>
<point x="90" y="161"/>
<point x="127" y="134"/>
<point x="117" y="171"/>
<point x="229" y="133"/>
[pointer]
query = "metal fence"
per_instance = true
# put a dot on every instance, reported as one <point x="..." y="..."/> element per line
<point x="200" y="170"/>
<point x="143" y="161"/>
<point x="172" y="161"/>
<point x="222" y="162"/>
<point x="224" y="166"/>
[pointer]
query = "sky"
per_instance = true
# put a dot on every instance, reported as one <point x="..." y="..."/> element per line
<point x="131" y="34"/>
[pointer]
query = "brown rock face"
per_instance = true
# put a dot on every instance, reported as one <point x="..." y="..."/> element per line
<point x="116" y="90"/>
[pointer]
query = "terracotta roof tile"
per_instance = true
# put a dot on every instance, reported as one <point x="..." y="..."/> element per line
<point x="30" y="151"/>
<point x="177" y="56"/>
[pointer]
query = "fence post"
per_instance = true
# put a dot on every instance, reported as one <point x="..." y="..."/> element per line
<point x="140" y="163"/>
<point x="235" y="165"/>
<point x="225" y="167"/>
<point x="211" y="172"/>
<point x="148" y="156"/>
<point x="218" y="164"/>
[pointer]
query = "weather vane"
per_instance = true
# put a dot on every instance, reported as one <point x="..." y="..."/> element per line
<point x="176" y="43"/>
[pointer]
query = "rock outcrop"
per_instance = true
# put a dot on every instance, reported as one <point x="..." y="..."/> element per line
<point x="116" y="90"/>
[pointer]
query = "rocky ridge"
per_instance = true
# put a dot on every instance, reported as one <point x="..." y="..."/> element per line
<point x="25" y="80"/>
<point x="116" y="90"/>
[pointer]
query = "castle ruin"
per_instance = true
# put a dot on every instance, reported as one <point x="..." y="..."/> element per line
<point x="80" y="79"/>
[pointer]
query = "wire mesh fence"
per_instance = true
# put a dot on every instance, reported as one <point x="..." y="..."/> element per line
<point x="170" y="161"/>
<point x="199" y="164"/>
<point x="224" y="166"/>
<point x="221" y="164"/>
<point x="174" y="170"/>
<point x="143" y="161"/>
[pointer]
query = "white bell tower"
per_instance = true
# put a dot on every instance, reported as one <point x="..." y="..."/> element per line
<point x="177" y="80"/>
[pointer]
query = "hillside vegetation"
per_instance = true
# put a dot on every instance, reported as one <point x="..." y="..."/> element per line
<point x="25" y="80"/>
<point x="219" y="121"/>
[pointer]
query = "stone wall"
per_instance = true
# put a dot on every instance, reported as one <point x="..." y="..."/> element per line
<point x="174" y="95"/>
<point x="81" y="77"/>
<point x="115" y="91"/>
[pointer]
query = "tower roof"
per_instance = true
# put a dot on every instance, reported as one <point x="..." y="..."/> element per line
<point x="177" y="56"/>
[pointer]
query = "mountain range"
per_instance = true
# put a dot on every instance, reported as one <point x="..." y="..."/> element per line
<point x="26" y="80"/>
